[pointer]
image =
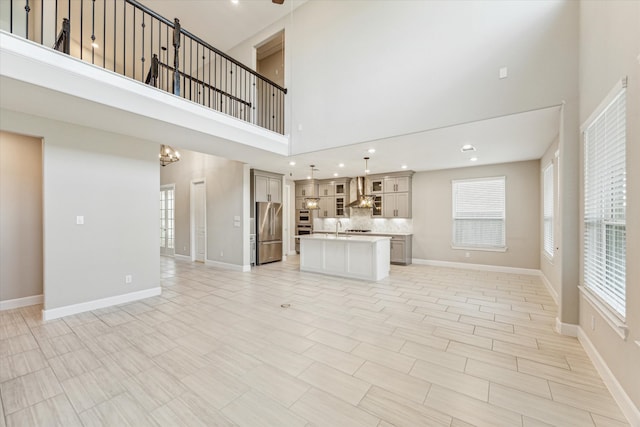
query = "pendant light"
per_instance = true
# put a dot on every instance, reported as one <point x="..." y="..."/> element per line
<point x="367" y="200"/>
<point x="312" y="203"/>
<point x="168" y="155"/>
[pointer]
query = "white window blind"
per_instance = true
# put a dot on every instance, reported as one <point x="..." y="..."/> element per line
<point x="605" y="203"/>
<point x="479" y="213"/>
<point x="547" y="211"/>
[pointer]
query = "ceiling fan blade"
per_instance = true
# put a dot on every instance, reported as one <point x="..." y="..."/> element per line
<point x="278" y="1"/>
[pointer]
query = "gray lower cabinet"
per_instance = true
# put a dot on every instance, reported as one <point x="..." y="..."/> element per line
<point x="401" y="251"/>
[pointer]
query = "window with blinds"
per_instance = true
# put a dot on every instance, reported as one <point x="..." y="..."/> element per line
<point x="479" y="213"/>
<point x="605" y="203"/>
<point x="547" y="210"/>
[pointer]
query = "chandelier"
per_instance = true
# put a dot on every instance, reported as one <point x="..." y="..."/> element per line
<point x="312" y="203"/>
<point x="168" y="155"/>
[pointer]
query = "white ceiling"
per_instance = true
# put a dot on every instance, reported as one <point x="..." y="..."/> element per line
<point x="222" y="23"/>
<point x="516" y="137"/>
<point x="512" y="138"/>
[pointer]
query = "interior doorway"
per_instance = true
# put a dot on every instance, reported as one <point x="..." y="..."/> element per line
<point x="198" y="220"/>
<point x="270" y="64"/>
<point x="167" y="220"/>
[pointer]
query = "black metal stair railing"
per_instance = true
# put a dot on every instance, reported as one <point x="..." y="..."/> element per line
<point x="128" y="38"/>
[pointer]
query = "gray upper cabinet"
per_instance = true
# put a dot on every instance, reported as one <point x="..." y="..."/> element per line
<point x="334" y="198"/>
<point x="267" y="187"/>
<point x="304" y="189"/>
<point x="392" y="193"/>
<point x="396" y="185"/>
<point x="326" y="189"/>
<point x="396" y="205"/>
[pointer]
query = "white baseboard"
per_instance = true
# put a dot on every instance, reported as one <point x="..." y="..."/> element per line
<point x="68" y="310"/>
<point x="568" y="329"/>
<point x="549" y="286"/>
<point x="182" y="257"/>
<point x="227" y="266"/>
<point x="21" y="302"/>
<point x="628" y="408"/>
<point x="481" y="267"/>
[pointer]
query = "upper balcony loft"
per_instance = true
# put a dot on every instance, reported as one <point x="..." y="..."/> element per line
<point x="121" y="54"/>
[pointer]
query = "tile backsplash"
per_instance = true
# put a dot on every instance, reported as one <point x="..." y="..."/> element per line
<point x="361" y="219"/>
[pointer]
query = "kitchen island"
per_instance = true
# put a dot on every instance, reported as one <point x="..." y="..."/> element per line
<point x="353" y="256"/>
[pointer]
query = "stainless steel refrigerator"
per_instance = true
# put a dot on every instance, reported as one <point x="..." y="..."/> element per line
<point x="269" y="232"/>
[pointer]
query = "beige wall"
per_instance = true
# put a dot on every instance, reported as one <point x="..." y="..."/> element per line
<point x="110" y="179"/>
<point x="225" y="197"/>
<point x="21" y="218"/>
<point x="551" y="267"/>
<point x="432" y="223"/>
<point x="609" y="49"/>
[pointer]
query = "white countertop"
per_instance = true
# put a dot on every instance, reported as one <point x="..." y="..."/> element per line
<point x="355" y="237"/>
<point x="372" y="233"/>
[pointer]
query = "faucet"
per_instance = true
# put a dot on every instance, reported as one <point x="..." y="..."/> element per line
<point x="338" y="225"/>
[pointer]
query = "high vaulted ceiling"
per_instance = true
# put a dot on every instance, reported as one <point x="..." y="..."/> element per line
<point x="499" y="134"/>
<point x="223" y="23"/>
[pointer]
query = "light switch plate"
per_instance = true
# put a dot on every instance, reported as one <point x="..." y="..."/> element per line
<point x="503" y="73"/>
<point x="80" y="220"/>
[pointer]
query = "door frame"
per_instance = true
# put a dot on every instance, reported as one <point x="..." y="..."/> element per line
<point x="254" y="59"/>
<point x="163" y="188"/>
<point x="192" y="222"/>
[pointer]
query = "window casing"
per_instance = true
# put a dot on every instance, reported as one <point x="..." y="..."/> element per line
<point x="479" y="213"/>
<point x="604" y="219"/>
<point x="547" y="210"/>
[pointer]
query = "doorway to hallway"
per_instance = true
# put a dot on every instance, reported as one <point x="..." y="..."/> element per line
<point x="198" y="221"/>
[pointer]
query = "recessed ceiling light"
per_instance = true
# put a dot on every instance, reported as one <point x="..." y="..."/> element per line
<point x="308" y="177"/>
<point x="468" y="147"/>
<point x="341" y="165"/>
<point x="292" y="163"/>
<point x="403" y="166"/>
<point x="235" y="1"/>
<point x="372" y="150"/>
<point x="474" y="159"/>
<point x="335" y="174"/>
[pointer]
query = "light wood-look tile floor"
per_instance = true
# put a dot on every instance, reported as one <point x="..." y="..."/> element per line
<point x="426" y="347"/>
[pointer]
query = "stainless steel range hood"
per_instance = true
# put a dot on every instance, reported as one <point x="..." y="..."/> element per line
<point x="362" y="201"/>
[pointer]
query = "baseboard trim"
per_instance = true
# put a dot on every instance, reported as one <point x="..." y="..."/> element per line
<point x="549" y="287"/>
<point x="568" y="329"/>
<point x="227" y="266"/>
<point x="481" y="267"/>
<point x="182" y="257"/>
<point x="628" y="408"/>
<point x="21" y="302"/>
<point x="68" y="310"/>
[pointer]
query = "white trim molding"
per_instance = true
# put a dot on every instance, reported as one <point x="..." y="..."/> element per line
<point x="618" y="326"/>
<point x="549" y="286"/>
<point x="481" y="267"/>
<point x="21" y="302"/>
<point x="182" y="257"/>
<point x="628" y="408"/>
<point x="568" y="329"/>
<point x="227" y="266"/>
<point x="68" y="310"/>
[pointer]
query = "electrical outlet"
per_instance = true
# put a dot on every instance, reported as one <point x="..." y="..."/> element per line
<point x="467" y="254"/>
<point x="221" y="254"/>
<point x="128" y="279"/>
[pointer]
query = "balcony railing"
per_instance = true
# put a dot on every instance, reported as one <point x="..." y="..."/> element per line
<point x="127" y="37"/>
